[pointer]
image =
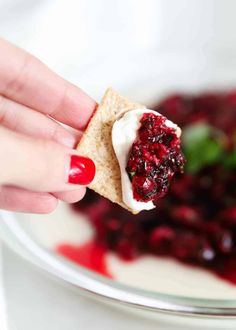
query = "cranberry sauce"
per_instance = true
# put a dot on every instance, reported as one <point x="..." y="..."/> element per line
<point x="90" y="255"/>
<point x="196" y="221"/>
<point x="154" y="158"/>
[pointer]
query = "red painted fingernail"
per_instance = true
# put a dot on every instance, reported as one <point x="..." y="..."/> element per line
<point x="82" y="170"/>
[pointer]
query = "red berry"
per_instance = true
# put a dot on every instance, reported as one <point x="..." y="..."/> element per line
<point x="154" y="158"/>
<point x="186" y="215"/>
<point x="160" y="239"/>
<point x="126" y="249"/>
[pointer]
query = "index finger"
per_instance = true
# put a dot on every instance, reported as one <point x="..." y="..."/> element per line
<point x="28" y="81"/>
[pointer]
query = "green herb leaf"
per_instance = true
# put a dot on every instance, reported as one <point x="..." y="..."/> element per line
<point x="202" y="145"/>
<point x="131" y="175"/>
<point x="230" y="160"/>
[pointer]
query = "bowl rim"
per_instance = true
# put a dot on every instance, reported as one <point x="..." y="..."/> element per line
<point x="13" y="234"/>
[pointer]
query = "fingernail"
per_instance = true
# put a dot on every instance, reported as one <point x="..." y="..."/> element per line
<point x="82" y="170"/>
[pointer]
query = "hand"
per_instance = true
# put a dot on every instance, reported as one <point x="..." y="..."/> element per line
<point x="38" y="165"/>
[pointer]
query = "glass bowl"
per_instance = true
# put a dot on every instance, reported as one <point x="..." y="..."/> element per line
<point x="143" y="77"/>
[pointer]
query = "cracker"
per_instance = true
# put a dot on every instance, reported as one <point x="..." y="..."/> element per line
<point x="96" y="144"/>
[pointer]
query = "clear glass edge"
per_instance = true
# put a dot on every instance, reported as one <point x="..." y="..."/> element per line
<point x="15" y="237"/>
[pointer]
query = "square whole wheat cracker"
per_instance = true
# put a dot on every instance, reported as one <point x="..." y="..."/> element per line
<point x="96" y="143"/>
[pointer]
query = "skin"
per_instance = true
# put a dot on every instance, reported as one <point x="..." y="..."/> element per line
<point x="33" y="144"/>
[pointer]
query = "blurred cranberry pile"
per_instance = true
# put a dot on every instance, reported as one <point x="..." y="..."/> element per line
<point x="196" y="221"/>
<point x="154" y="158"/>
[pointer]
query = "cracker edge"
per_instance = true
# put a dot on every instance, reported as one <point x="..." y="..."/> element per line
<point x="109" y="93"/>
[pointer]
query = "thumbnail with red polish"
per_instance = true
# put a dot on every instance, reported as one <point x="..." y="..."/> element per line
<point x="82" y="170"/>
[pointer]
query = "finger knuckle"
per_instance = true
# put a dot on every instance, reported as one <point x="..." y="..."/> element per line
<point x="20" y="79"/>
<point x="3" y="109"/>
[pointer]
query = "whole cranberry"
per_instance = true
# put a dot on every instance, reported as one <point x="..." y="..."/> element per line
<point x="113" y="224"/>
<point x="161" y="239"/>
<point x="186" y="215"/>
<point x="126" y="249"/>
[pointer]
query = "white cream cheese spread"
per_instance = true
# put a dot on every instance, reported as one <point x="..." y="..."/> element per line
<point x="124" y="133"/>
